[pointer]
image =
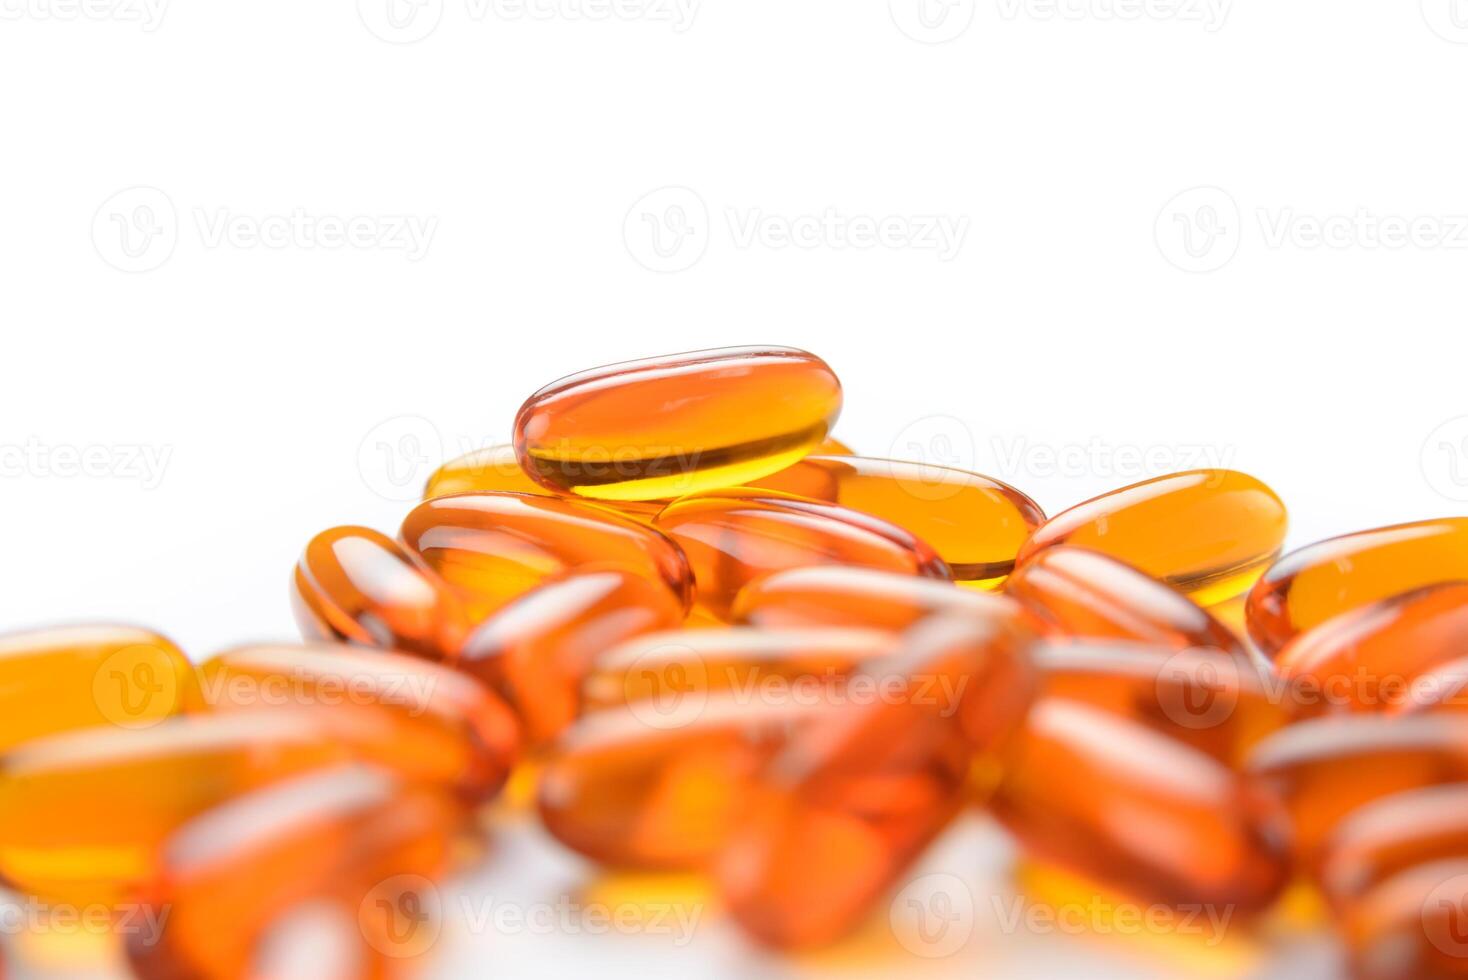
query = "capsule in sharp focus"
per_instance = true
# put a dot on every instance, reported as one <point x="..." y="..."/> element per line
<point x="976" y="524"/>
<point x="496" y="469"/>
<point x="1207" y="533"/>
<point x="838" y="595"/>
<point x="669" y="426"/>
<point x="732" y="537"/>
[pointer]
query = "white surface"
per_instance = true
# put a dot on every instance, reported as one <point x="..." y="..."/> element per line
<point x="530" y="152"/>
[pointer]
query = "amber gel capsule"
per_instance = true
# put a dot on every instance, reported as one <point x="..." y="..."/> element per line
<point x="1140" y="811"/>
<point x="358" y="586"/>
<point x="732" y="537"/>
<point x="495" y="546"/>
<point x="976" y="524"/>
<point x="1321" y="581"/>
<point x="496" y="469"/>
<point x="56" y="680"/>
<point x="537" y="650"/>
<point x="1207" y="533"/>
<point x="429" y="720"/>
<point x="1392" y="835"/>
<point x="1411" y="926"/>
<point x="858" y="793"/>
<point x="343" y="836"/>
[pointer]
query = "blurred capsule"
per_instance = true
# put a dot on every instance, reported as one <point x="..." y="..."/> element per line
<point x="837" y="595"/>
<point x="1321" y="581"/>
<point x="231" y="874"/>
<point x="1413" y="926"/>
<point x="833" y="447"/>
<point x="860" y="791"/>
<point x="56" y="680"/>
<point x="732" y="537"/>
<point x="1137" y="810"/>
<point x="976" y="524"/>
<point x="428" y="721"/>
<point x="1392" y="835"/>
<point x="496" y="546"/>
<point x="665" y="667"/>
<point x="1207" y="533"/>
<point x="497" y="470"/>
<point x="358" y="586"/>
<point x="668" y="426"/>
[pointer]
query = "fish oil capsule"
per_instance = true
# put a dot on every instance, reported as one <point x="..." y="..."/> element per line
<point x="976" y="524"/>
<point x="858" y="793"/>
<point x="1411" y="926"/>
<point x="1382" y="656"/>
<point x="1392" y="835"/>
<point x="1320" y="581"/>
<point x="496" y="469"/>
<point x="495" y="546"/>
<point x="427" y="720"/>
<point x="358" y="586"/>
<point x="833" y="447"/>
<point x="56" y="680"/>
<point x="1083" y="593"/>
<point x="1215" y="704"/>
<point x="537" y="650"/>
<point x="668" y="426"/>
<point x="1325" y="768"/>
<point x="228" y="876"/>
<point x="843" y="595"/>
<point x="732" y="537"/>
<point x="1139" y="811"/>
<point x="660" y="785"/>
<point x="664" y="668"/>
<point x="1207" y="533"/>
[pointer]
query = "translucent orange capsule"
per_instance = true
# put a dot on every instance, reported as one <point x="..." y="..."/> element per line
<point x="857" y="794"/>
<point x="833" y="447"/>
<point x="56" y="680"/>
<point x="1082" y="593"/>
<point x="668" y="426"/>
<point x="426" y="720"/>
<point x="665" y="668"/>
<point x="537" y="650"/>
<point x="496" y="469"/>
<point x="839" y="595"/>
<point x="358" y="586"/>
<point x="1392" y="835"/>
<point x="1382" y="656"/>
<point x="1215" y="703"/>
<point x="231" y="875"/>
<point x="975" y="523"/>
<point x="1207" y="533"/>
<point x="1413" y="926"/>
<point x="1321" y="581"/>
<point x="1324" y="768"/>
<point x="732" y="537"/>
<point x="495" y="546"/>
<point x="1140" y="811"/>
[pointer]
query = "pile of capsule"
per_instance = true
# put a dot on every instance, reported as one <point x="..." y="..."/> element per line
<point x="716" y="641"/>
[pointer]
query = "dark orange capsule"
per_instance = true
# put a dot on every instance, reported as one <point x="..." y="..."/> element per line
<point x="1413" y="926"/>
<point x="976" y="524"/>
<point x="495" y="546"/>
<point x="732" y="537"/>
<point x="537" y="650"/>
<point x="1321" y="581"/>
<point x="1139" y="811"/>
<point x="358" y="586"/>
<point x="1392" y="835"/>
<point x="668" y="426"/>
<point x="857" y="794"/>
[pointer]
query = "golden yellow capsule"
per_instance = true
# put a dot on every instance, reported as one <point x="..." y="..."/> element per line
<point x="496" y="470"/>
<point x="668" y="426"/>
<point x="1208" y="533"/>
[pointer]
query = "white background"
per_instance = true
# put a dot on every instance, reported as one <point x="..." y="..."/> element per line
<point x="1099" y="319"/>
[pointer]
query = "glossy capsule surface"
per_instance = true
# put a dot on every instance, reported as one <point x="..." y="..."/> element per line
<point x="836" y="816"/>
<point x="667" y="426"/>
<point x="732" y="537"/>
<point x="975" y="523"/>
<point x="494" y="546"/>
<point x="538" y="650"/>
<point x="1140" y="811"/>
<point x="839" y="595"/>
<point x="667" y="668"/>
<point x="1321" y="581"/>
<point x="1207" y="533"/>
<point x="1392" y="835"/>
<point x="425" y="720"/>
<point x="1080" y="593"/>
<point x="1411" y="926"/>
<point x="496" y="469"/>
<point x="228" y="876"/>
<point x="1383" y="656"/>
<point x="56" y="680"/>
<point x="356" y="585"/>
